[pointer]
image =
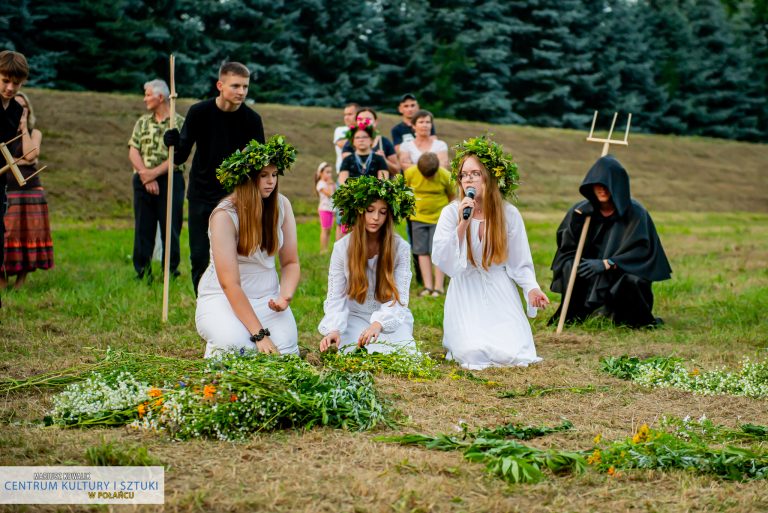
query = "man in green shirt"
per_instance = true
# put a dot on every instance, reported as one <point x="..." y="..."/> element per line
<point x="149" y="157"/>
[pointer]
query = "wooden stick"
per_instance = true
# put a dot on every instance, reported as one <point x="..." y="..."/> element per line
<point x="9" y="142"/>
<point x="169" y="202"/>
<point x="572" y="277"/>
<point x="36" y="172"/>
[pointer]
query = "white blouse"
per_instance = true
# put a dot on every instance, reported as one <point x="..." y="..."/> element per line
<point x="338" y="306"/>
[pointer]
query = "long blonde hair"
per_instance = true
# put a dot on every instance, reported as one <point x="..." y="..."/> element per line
<point x="357" y="256"/>
<point x="257" y="218"/>
<point x="495" y="229"/>
<point x="31" y="119"/>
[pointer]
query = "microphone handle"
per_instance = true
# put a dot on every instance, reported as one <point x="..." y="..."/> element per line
<point x="467" y="212"/>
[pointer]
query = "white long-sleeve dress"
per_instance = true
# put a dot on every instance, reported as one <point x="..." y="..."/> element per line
<point x="216" y="321"/>
<point x="484" y="324"/>
<point x="350" y="318"/>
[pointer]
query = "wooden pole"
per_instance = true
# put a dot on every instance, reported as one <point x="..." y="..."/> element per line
<point x="169" y="202"/>
<point x="572" y="278"/>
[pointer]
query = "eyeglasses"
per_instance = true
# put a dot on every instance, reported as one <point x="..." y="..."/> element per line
<point x="472" y="174"/>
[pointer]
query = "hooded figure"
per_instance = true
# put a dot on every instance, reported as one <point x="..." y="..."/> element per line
<point x="622" y="252"/>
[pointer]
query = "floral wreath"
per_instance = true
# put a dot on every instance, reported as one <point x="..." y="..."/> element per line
<point x="356" y="194"/>
<point x="244" y="165"/>
<point x="499" y="164"/>
<point x="361" y="124"/>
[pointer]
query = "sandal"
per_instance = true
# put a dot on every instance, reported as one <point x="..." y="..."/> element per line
<point x="438" y="293"/>
<point x="426" y="292"/>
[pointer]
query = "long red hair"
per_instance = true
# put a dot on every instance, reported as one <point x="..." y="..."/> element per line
<point x="495" y="227"/>
<point x="357" y="256"/>
<point x="257" y="218"/>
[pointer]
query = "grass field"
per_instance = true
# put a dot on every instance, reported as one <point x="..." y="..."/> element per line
<point x="708" y="200"/>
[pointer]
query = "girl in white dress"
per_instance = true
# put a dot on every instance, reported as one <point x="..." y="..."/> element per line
<point x="241" y="303"/>
<point x="370" y="270"/>
<point x="487" y="257"/>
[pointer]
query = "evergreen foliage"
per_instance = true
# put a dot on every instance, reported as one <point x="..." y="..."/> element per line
<point x="685" y="67"/>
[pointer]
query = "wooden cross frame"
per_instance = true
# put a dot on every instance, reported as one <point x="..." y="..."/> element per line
<point x="583" y="237"/>
<point x="12" y="163"/>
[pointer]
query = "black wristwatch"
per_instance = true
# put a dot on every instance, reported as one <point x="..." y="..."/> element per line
<point x="263" y="332"/>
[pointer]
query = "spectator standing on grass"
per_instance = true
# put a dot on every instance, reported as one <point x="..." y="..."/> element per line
<point x="410" y="151"/>
<point x="325" y="186"/>
<point x="364" y="161"/>
<point x="149" y="157"/>
<point x="340" y="134"/>
<point x="14" y="71"/>
<point x="622" y="253"/>
<point x="217" y="128"/>
<point x="28" y="243"/>
<point x="403" y="131"/>
<point x="487" y="257"/>
<point x="370" y="270"/>
<point x="434" y="189"/>
<point x="381" y="145"/>
<point x="242" y="304"/>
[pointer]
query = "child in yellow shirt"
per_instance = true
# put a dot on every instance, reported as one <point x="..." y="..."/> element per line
<point x="434" y="189"/>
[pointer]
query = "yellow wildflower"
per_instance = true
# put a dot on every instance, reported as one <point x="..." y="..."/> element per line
<point x="209" y="391"/>
<point x="641" y="435"/>
<point x="695" y="372"/>
<point x="154" y="392"/>
<point x="598" y="438"/>
<point x="595" y="458"/>
<point x="142" y="409"/>
<point x="612" y="471"/>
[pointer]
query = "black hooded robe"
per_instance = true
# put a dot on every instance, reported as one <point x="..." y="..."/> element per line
<point x="628" y="238"/>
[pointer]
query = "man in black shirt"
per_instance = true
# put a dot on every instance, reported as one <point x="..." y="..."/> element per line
<point x="14" y="71"/>
<point x="404" y="131"/>
<point x="218" y="127"/>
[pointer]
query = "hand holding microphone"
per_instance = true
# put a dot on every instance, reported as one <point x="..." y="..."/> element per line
<point x="468" y="210"/>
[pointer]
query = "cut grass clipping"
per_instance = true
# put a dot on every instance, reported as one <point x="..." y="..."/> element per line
<point x="668" y="372"/>
<point x="510" y="460"/>
<point x="228" y="398"/>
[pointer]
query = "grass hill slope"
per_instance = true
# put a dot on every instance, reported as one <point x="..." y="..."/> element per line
<point x="86" y="134"/>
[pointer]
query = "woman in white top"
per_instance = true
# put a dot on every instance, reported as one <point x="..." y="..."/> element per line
<point x="370" y="270"/>
<point x="241" y="303"/>
<point x="487" y="256"/>
<point x="410" y="151"/>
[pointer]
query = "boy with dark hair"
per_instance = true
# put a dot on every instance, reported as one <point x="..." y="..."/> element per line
<point x="14" y="71"/>
<point x="217" y="127"/>
<point x="434" y="189"/>
<point x="404" y="131"/>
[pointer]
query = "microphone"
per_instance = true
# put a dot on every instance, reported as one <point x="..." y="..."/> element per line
<point x="468" y="210"/>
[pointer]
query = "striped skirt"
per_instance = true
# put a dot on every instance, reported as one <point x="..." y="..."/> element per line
<point x="28" y="244"/>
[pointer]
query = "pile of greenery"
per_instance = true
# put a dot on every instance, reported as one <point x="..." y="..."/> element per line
<point x="502" y="455"/>
<point x="685" y="445"/>
<point x="231" y="398"/>
<point x="414" y="365"/>
<point x="667" y="372"/>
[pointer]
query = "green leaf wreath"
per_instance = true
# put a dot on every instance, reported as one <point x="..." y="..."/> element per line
<point x="244" y="164"/>
<point x="498" y="163"/>
<point x="356" y="194"/>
